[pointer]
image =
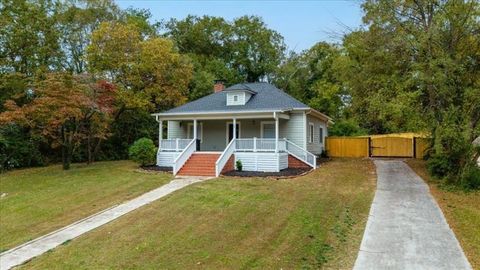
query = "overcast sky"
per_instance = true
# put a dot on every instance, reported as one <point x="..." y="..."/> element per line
<point x="301" y="23"/>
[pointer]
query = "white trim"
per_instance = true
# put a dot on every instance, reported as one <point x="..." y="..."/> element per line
<point x="239" y="130"/>
<point x="320" y="115"/>
<point x="311" y="132"/>
<point x="225" y="116"/>
<point x="160" y="131"/>
<point x="305" y="127"/>
<point x="201" y="131"/>
<point x="228" y="112"/>
<point x="262" y="123"/>
<point x="241" y="90"/>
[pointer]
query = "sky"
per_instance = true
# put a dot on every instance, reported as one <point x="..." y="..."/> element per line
<point x="301" y="23"/>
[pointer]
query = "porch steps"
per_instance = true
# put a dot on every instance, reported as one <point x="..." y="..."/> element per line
<point x="201" y="164"/>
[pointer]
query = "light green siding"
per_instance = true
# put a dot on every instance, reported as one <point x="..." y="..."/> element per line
<point x="316" y="147"/>
<point x="213" y="135"/>
<point x="293" y="128"/>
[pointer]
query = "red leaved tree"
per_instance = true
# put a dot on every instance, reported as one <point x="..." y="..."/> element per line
<point x="67" y="110"/>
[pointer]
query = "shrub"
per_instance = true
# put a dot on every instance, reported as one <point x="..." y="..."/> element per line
<point x="346" y="127"/>
<point x="143" y="152"/>
<point x="470" y="177"/>
<point x="239" y="165"/>
<point x="439" y="166"/>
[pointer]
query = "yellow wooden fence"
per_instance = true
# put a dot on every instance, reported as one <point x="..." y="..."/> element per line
<point x="421" y="146"/>
<point x="385" y="145"/>
<point x="347" y="147"/>
<point x="391" y="147"/>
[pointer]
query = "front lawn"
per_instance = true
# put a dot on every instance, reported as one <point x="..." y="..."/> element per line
<point x="461" y="209"/>
<point x="40" y="200"/>
<point x="235" y="223"/>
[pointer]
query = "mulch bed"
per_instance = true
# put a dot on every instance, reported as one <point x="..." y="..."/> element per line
<point x="155" y="168"/>
<point x="322" y="160"/>
<point x="281" y="174"/>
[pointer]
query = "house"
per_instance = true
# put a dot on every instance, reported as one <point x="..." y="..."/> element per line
<point x="256" y="123"/>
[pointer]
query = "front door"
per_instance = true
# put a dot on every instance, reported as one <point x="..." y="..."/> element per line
<point x="230" y="132"/>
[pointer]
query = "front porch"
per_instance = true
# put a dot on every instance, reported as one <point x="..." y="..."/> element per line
<point x="255" y="142"/>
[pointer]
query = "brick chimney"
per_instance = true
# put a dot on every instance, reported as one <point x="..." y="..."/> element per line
<point x="218" y="86"/>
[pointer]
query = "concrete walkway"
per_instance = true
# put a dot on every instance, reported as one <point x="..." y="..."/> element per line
<point x="36" y="247"/>
<point x="406" y="228"/>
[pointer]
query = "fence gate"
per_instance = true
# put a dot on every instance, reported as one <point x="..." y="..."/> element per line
<point x="391" y="147"/>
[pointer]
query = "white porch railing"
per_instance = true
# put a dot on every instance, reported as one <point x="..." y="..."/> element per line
<point x="224" y="157"/>
<point x="173" y="145"/>
<point x="184" y="156"/>
<point x="259" y="145"/>
<point x="263" y="145"/>
<point x="301" y="153"/>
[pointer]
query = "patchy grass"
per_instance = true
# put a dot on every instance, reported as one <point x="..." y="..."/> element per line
<point x="309" y="222"/>
<point x="40" y="200"/>
<point x="461" y="209"/>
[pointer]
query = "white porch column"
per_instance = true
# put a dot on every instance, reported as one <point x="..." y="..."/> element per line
<point x="276" y="133"/>
<point x="234" y="128"/>
<point x="160" y="131"/>
<point x="195" y="129"/>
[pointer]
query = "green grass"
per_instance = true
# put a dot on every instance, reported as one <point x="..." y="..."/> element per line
<point x="39" y="200"/>
<point x="461" y="209"/>
<point x="309" y="222"/>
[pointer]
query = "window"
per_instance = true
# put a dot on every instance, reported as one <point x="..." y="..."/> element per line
<point x="235" y="98"/>
<point x="310" y="133"/>
<point x="268" y="130"/>
<point x="199" y="131"/>
<point x="320" y="135"/>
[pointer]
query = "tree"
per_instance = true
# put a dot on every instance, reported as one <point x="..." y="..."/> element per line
<point x="429" y="76"/>
<point x="76" y="22"/>
<point x="150" y="74"/>
<point x="62" y="106"/>
<point x="18" y="148"/>
<point x="238" y="51"/>
<point x="256" y="51"/>
<point x="99" y="116"/>
<point x="312" y="77"/>
<point x="207" y="36"/>
<point x="29" y="37"/>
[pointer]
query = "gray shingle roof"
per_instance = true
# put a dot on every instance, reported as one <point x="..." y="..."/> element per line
<point x="267" y="97"/>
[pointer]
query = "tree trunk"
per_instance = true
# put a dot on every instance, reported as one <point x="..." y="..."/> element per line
<point x="89" y="149"/>
<point x="67" y="150"/>
<point x="96" y="150"/>
<point x="66" y="157"/>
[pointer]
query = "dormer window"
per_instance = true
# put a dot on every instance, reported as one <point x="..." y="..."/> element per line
<point x="236" y="97"/>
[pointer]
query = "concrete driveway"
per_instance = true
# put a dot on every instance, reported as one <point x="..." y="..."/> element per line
<point x="406" y="228"/>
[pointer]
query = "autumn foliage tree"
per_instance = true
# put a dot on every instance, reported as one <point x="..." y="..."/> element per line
<point x="66" y="110"/>
<point x="149" y="72"/>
